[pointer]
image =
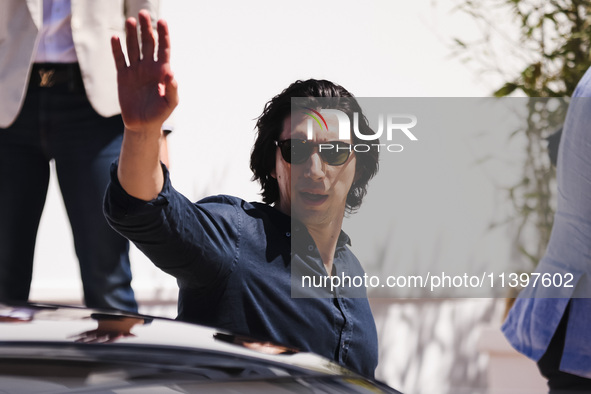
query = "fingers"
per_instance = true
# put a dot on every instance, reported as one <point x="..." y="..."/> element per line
<point x="118" y="54"/>
<point x="163" y="42"/>
<point x="133" y="47"/>
<point x="147" y="35"/>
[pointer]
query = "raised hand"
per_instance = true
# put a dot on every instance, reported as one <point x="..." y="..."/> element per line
<point x="147" y="88"/>
<point x="147" y="95"/>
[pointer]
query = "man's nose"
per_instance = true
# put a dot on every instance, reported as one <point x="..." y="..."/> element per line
<point x="316" y="166"/>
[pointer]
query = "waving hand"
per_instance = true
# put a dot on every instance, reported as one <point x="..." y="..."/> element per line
<point x="147" y="95"/>
<point x="147" y="88"/>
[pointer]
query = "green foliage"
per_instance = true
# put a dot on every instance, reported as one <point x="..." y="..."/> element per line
<point x="551" y="47"/>
<point x="553" y="43"/>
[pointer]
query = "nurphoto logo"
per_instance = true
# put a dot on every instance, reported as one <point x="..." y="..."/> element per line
<point x="394" y="123"/>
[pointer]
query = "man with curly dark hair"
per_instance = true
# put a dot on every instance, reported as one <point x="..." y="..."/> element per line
<point x="278" y="109"/>
<point x="235" y="260"/>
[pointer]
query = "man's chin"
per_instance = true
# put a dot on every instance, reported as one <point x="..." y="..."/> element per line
<point x="309" y="216"/>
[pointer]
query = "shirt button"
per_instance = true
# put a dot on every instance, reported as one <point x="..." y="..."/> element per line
<point x="288" y="234"/>
<point x="310" y="248"/>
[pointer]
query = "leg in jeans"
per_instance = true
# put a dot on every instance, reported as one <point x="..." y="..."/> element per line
<point x="24" y="176"/>
<point x="84" y="145"/>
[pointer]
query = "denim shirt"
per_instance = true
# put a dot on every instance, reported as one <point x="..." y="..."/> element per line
<point x="233" y="261"/>
<point x="533" y="319"/>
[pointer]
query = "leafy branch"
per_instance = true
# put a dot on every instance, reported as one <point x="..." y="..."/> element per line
<point x="539" y="48"/>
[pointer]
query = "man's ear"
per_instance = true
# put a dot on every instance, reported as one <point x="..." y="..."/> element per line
<point x="273" y="174"/>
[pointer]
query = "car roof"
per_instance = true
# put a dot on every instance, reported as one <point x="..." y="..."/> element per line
<point x="41" y="323"/>
<point x="87" y="346"/>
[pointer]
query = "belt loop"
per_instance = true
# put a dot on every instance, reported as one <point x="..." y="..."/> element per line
<point x="71" y="78"/>
<point x="77" y="78"/>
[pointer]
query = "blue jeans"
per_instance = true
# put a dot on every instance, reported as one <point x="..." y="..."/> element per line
<point x="59" y="123"/>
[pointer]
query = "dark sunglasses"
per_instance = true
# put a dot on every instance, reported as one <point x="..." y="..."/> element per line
<point x="295" y="151"/>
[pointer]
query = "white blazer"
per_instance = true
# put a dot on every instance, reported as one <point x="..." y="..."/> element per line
<point x="93" y="24"/>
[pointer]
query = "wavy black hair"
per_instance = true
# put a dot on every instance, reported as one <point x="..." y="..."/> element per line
<point x="269" y="127"/>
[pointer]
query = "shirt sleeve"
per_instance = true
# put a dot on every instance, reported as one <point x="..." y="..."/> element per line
<point x="533" y="320"/>
<point x="197" y="243"/>
<point x="570" y="242"/>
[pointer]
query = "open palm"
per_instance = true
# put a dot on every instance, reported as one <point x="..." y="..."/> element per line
<point x="147" y="88"/>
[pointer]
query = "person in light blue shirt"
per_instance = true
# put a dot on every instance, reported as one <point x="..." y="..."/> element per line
<point x="552" y="325"/>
